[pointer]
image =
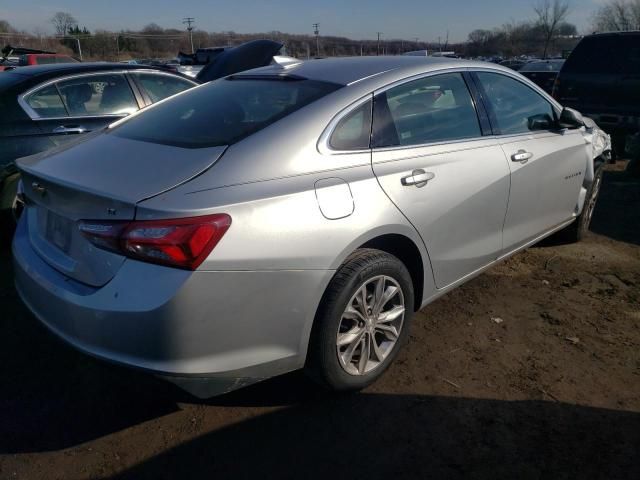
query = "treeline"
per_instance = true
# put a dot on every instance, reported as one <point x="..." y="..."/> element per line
<point x="154" y="41"/>
<point x="525" y="38"/>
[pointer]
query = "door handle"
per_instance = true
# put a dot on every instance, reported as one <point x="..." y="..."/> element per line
<point x="418" y="177"/>
<point x="521" y="156"/>
<point x="68" y="129"/>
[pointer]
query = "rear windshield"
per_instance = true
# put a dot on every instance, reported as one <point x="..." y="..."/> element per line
<point x="222" y="112"/>
<point x="605" y="54"/>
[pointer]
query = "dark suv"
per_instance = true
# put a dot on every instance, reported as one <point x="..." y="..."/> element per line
<point x="601" y="79"/>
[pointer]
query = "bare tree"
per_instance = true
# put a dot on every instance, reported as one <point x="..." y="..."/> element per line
<point x="5" y="27"/>
<point x="618" y="16"/>
<point x="550" y="13"/>
<point x="62" y="22"/>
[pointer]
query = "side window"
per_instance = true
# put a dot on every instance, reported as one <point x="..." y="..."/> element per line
<point x="517" y="108"/>
<point x="47" y="103"/>
<point x="433" y="109"/>
<point x="107" y="94"/>
<point x="159" y="86"/>
<point x="354" y="130"/>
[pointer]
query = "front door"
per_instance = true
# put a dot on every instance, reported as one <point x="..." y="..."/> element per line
<point x="547" y="164"/>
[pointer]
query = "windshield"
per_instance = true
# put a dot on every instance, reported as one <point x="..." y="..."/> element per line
<point x="222" y="112"/>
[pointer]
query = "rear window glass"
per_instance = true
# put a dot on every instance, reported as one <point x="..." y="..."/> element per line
<point x="159" y="86"/>
<point x="46" y="103"/>
<point x="606" y="54"/>
<point x="354" y="130"/>
<point x="222" y="112"/>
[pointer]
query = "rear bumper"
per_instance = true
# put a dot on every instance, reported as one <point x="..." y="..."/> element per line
<point x="209" y="332"/>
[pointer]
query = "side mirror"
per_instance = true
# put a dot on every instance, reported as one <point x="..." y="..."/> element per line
<point x="570" y="118"/>
<point x="540" y="122"/>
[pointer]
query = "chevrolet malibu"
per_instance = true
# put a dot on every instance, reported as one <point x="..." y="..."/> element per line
<point x="296" y="215"/>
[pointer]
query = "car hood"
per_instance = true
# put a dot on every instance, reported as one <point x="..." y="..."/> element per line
<point x="119" y="168"/>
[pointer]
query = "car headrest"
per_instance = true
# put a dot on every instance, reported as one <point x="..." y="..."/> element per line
<point x="77" y="94"/>
<point x="409" y="108"/>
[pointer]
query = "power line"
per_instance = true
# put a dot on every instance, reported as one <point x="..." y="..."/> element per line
<point x="189" y="21"/>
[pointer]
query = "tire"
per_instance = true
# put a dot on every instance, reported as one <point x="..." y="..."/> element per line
<point x="11" y="208"/>
<point x="578" y="229"/>
<point x="375" y="271"/>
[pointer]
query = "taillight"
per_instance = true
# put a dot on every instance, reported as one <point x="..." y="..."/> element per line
<point x="183" y="242"/>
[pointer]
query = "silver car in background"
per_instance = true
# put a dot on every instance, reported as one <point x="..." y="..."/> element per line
<point x="296" y="215"/>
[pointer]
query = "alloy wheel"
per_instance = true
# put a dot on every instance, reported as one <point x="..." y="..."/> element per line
<point x="370" y="325"/>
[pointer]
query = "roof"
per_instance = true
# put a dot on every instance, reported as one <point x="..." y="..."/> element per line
<point x="64" y="68"/>
<point x="348" y="70"/>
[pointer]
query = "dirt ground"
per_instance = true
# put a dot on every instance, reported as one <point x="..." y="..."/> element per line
<point x="530" y="371"/>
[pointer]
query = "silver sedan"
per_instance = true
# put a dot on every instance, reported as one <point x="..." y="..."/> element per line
<point x="297" y="215"/>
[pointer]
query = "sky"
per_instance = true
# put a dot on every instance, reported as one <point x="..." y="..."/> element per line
<point x="407" y="19"/>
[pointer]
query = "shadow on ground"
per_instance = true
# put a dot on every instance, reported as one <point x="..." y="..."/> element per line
<point x="54" y="397"/>
<point x="408" y="436"/>
<point x="617" y="215"/>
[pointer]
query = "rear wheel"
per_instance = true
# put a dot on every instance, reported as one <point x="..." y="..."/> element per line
<point x="362" y="321"/>
<point x="577" y="230"/>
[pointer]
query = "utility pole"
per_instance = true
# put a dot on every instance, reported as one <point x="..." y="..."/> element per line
<point x="416" y="39"/>
<point x="79" y="47"/>
<point x="316" y="32"/>
<point x="189" y="21"/>
<point x="378" y="49"/>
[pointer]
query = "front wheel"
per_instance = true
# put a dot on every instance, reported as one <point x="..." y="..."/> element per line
<point x="362" y="321"/>
<point x="577" y="230"/>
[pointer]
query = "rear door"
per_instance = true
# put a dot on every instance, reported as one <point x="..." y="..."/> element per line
<point x="450" y="181"/>
<point x="79" y="104"/>
<point x="547" y="164"/>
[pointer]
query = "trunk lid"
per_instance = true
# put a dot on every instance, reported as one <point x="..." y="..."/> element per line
<point x="100" y="179"/>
